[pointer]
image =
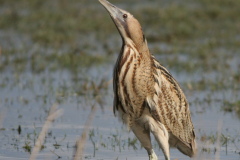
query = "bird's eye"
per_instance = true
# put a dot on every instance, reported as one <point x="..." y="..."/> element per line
<point x="125" y="16"/>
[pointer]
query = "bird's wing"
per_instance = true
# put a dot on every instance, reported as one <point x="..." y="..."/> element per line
<point x="170" y="106"/>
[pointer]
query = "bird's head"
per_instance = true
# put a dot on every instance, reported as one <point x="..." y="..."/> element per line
<point x="128" y="26"/>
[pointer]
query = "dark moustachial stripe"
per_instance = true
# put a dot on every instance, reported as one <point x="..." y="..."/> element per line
<point x="124" y="24"/>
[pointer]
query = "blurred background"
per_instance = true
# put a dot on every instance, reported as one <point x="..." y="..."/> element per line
<point x="64" y="51"/>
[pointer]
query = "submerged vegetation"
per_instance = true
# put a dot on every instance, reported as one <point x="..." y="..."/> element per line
<point x="232" y="107"/>
<point x="64" y="51"/>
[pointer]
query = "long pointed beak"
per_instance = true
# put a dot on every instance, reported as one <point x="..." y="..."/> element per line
<point x="128" y="27"/>
<point x="112" y="10"/>
<point x="117" y="17"/>
<point x="115" y="12"/>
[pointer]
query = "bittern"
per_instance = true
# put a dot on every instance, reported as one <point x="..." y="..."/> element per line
<point x="146" y="96"/>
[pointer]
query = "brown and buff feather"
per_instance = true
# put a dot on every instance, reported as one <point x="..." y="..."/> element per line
<point x="141" y="81"/>
<point x="172" y="110"/>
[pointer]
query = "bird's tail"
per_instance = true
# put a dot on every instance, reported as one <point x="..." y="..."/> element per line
<point x="188" y="149"/>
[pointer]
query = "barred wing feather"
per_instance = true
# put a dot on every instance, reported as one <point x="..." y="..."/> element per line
<point x="170" y="107"/>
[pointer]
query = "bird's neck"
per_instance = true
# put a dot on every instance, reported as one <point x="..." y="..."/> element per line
<point x="133" y="74"/>
<point x="139" y="48"/>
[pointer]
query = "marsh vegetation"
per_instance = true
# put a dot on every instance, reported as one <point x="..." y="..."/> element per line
<point x="64" y="51"/>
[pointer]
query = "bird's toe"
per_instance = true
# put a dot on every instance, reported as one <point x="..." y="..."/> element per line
<point x="153" y="156"/>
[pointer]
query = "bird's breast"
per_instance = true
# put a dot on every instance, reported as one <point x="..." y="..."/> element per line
<point x="132" y="80"/>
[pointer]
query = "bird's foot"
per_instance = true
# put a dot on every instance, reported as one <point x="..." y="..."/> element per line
<point x="153" y="156"/>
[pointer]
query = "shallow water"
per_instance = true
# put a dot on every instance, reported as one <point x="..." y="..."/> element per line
<point x="23" y="100"/>
<point x="31" y="81"/>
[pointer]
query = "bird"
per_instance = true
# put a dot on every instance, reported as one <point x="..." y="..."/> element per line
<point x="147" y="99"/>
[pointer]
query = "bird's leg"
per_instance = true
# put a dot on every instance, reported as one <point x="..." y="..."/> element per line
<point x="161" y="135"/>
<point x="152" y="155"/>
<point x="143" y="136"/>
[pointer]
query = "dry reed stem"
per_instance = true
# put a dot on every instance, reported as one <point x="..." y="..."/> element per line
<point x="198" y="155"/>
<point x="0" y="54"/>
<point x="53" y="114"/>
<point x="55" y="154"/>
<point x="218" y="144"/>
<point x="2" y="115"/>
<point x="108" y="82"/>
<point x="82" y="141"/>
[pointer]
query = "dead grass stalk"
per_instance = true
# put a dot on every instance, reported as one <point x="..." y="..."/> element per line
<point x="53" y="114"/>
<point x="82" y="141"/>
